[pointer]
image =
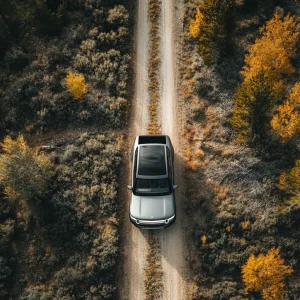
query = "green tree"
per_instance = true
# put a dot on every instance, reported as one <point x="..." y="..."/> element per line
<point x="253" y="100"/>
<point x="211" y="27"/>
<point x="23" y="171"/>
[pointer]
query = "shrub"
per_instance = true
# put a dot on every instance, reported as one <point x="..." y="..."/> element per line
<point x="76" y="84"/>
<point x="289" y="183"/>
<point x="265" y="273"/>
<point x="253" y="101"/>
<point x="211" y="27"/>
<point x="16" y="59"/>
<point x="23" y="171"/>
<point x="50" y="16"/>
<point x="286" y="122"/>
<point x="118" y="16"/>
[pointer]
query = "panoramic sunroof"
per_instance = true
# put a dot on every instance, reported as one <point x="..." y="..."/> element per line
<point x="152" y="161"/>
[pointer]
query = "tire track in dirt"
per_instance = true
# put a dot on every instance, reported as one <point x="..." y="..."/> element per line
<point x="172" y="238"/>
<point x="134" y="241"/>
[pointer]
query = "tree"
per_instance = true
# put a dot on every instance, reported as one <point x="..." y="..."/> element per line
<point x="272" y="52"/>
<point x="76" y="84"/>
<point x="265" y="273"/>
<point x="286" y="122"/>
<point x="23" y="171"/>
<point x="253" y="101"/>
<point x="211" y="27"/>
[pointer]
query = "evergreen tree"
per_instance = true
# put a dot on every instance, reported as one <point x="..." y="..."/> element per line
<point x="253" y="101"/>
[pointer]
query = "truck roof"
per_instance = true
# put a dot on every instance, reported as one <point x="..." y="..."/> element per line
<point x="152" y="160"/>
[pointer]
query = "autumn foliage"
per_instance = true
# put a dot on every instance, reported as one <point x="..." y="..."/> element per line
<point x="286" y="122"/>
<point x="23" y="171"/>
<point x="265" y="274"/>
<point x="272" y="52"/>
<point x="76" y="84"/>
<point x="266" y="66"/>
<point x="210" y="27"/>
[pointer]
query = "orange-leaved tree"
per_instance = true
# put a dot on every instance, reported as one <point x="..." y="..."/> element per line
<point x="210" y="27"/>
<point x="272" y="52"/>
<point x="23" y="171"/>
<point x="265" y="274"/>
<point x="289" y="183"/>
<point x="76" y="84"/>
<point x="286" y="122"/>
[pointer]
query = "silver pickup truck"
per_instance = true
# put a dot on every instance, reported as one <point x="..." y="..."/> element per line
<point x="152" y="203"/>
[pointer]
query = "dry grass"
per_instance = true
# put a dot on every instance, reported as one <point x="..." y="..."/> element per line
<point x="154" y="11"/>
<point x="153" y="271"/>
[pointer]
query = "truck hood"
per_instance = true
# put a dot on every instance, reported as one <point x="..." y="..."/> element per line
<point x="152" y="207"/>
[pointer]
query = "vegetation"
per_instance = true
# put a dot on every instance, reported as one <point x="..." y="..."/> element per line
<point x="68" y="242"/>
<point x="268" y="61"/>
<point x="211" y="27"/>
<point x="249" y="200"/>
<point x="154" y="11"/>
<point x="153" y="271"/>
<point x="253" y="102"/>
<point x="76" y="84"/>
<point x="89" y="38"/>
<point x="59" y="228"/>
<point x="265" y="273"/>
<point x="23" y="171"/>
<point x="289" y="183"/>
<point x="272" y="52"/>
<point x="286" y="122"/>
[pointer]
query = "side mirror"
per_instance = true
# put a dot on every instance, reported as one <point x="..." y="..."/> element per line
<point x="175" y="186"/>
<point x="129" y="187"/>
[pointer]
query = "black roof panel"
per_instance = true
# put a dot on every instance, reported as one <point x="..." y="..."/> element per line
<point x="152" y="160"/>
<point x="152" y="139"/>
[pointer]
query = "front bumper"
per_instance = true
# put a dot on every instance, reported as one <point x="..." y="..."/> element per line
<point x="152" y="224"/>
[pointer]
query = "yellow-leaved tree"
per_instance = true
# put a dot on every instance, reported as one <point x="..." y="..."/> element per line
<point x="265" y="274"/>
<point x="76" y="85"/>
<point x="272" y="52"/>
<point x="23" y="171"/>
<point x="210" y="27"/>
<point x="289" y="183"/>
<point x="286" y="122"/>
<point x="269" y="59"/>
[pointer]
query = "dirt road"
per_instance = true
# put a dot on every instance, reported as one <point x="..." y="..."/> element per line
<point x="172" y="238"/>
<point x="135" y="241"/>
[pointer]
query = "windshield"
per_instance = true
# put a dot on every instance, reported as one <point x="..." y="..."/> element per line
<point x="152" y="186"/>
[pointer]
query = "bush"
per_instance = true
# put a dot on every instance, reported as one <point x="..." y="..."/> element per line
<point x="289" y="183"/>
<point x="23" y="171"/>
<point x="76" y="84"/>
<point x="16" y="59"/>
<point x="49" y="15"/>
